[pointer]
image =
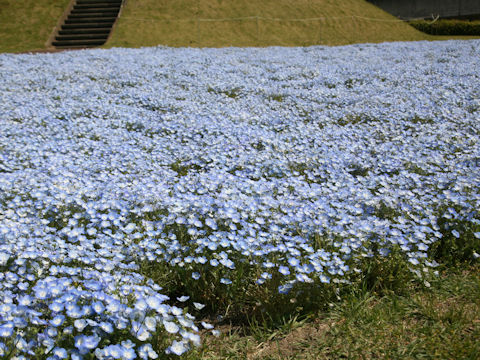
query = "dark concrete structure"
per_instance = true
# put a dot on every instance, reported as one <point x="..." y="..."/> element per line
<point x="86" y="23"/>
<point x="413" y="9"/>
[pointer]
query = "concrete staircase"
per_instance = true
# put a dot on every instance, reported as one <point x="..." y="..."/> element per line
<point x="88" y="24"/>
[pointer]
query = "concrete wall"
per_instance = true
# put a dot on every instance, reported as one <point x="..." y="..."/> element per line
<point x="411" y="9"/>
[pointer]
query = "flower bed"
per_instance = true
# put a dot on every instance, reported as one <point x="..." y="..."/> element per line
<point x="141" y="189"/>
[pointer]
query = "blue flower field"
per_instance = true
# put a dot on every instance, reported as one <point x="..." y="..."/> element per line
<point x="145" y="191"/>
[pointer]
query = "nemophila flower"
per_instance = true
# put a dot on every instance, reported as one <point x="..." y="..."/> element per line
<point x="150" y="323"/>
<point x="413" y="261"/>
<point x="227" y="263"/>
<point x="57" y="320"/>
<point x="68" y="330"/>
<point x="271" y="190"/>
<point x="171" y="327"/>
<point x="195" y="275"/>
<point x="214" y="262"/>
<point x="211" y="223"/>
<point x="98" y="307"/>
<point x="176" y="311"/>
<point x="80" y="324"/>
<point x="146" y="352"/>
<point x="207" y="325"/>
<point x="113" y="351"/>
<point x="156" y="301"/>
<point x="293" y="262"/>
<point x="20" y="323"/>
<point x="260" y="281"/>
<point x="74" y="311"/>
<point x="56" y="306"/>
<point x="128" y="354"/>
<point x="225" y="281"/>
<point x="85" y="343"/>
<point x="6" y="330"/>
<point x="52" y="332"/>
<point x="324" y="279"/>
<point x="284" y="270"/>
<point x="41" y="293"/>
<point x="106" y="326"/>
<point x="198" y="306"/>
<point x="60" y="353"/>
<point x="177" y="348"/>
<point x="141" y="305"/>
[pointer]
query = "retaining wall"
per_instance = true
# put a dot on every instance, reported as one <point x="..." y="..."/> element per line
<point x="411" y="9"/>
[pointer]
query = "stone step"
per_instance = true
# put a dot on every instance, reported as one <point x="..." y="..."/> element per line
<point x="80" y="15"/>
<point x="87" y="42"/>
<point x="82" y="37"/>
<point x="109" y="20"/>
<point x="95" y="10"/>
<point x="89" y="2"/>
<point x="87" y="26"/>
<point x="95" y="6"/>
<point x="105" y="31"/>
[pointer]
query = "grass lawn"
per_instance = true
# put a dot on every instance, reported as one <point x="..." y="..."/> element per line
<point x="25" y="25"/>
<point x="338" y="22"/>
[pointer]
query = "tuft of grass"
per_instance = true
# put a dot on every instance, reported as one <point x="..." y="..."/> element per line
<point x="231" y="93"/>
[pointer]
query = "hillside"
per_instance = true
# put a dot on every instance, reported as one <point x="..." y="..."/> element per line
<point x="215" y="23"/>
<point x="25" y="25"/>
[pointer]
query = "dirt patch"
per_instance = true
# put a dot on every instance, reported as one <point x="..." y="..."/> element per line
<point x="292" y="343"/>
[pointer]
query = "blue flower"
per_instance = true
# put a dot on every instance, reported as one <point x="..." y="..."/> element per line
<point x="57" y="320"/>
<point x="195" y="275"/>
<point x="284" y="270"/>
<point x="60" y="353"/>
<point x="6" y="330"/>
<point x="86" y="343"/>
<point x="177" y="347"/>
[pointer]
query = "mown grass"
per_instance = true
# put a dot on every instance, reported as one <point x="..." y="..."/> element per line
<point x="25" y="25"/>
<point x="437" y="322"/>
<point x="235" y="23"/>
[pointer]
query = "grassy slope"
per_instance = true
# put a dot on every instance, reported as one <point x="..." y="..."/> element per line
<point x="25" y="25"/>
<point x="173" y="23"/>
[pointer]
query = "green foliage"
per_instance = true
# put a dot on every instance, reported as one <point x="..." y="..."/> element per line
<point x="447" y="27"/>
<point x="451" y="250"/>
<point x="440" y="322"/>
<point x="182" y="168"/>
<point x="276" y="97"/>
<point x="354" y="119"/>
<point x="385" y="274"/>
<point x="243" y="300"/>
<point x="231" y="93"/>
